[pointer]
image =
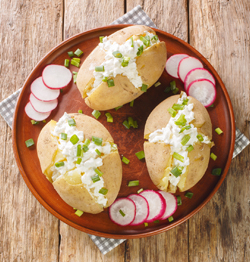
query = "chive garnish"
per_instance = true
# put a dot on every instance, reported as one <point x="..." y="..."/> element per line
<point x="178" y="107"/>
<point x="74" y="139"/>
<point x="79" y="212"/>
<point x="178" y="157"/>
<point x="117" y="108"/>
<point x="154" y="38"/>
<point x="87" y="142"/>
<point x="95" y="178"/>
<point x="144" y="88"/>
<point x="140" y="155"/>
<point x="176" y="171"/>
<point x="63" y="136"/>
<point x="175" y="91"/>
<point x="74" y="78"/>
<point x="133" y="183"/>
<point x="212" y="105"/>
<point x="85" y="148"/>
<point x="172" y="112"/>
<point x="125" y="61"/>
<point x="190" y="148"/>
<point x="185" y="139"/>
<point x="71" y="122"/>
<point x="44" y="121"/>
<point x="126" y="124"/>
<point x="140" y="50"/>
<point x="185" y="101"/>
<point x="179" y="201"/>
<point x="79" y="150"/>
<point x="125" y="160"/>
<point x="33" y="122"/>
<point x="132" y="42"/>
<point x="78" y="60"/>
<point x="78" y="52"/>
<point x="184" y="128"/>
<point x="189" y="195"/>
<point x="71" y="53"/>
<point x="213" y="156"/>
<point x="103" y="191"/>
<point x="110" y="82"/>
<point x="75" y="73"/>
<point x="146" y="224"/>
<point x="157" y="221"/>
<point x="80" y="111"/>
<point x="170" y="219"/>
<point x="61" y="90"/>
<point x="157" y="84"/>
<point x="117" y="54"/>
<point x="58" y="164"/>
<point x="132" y="103"/>
<point x="66" y="62"/>
<point x="145" y="41"/>
<point x="181" y="121"/>
<point x="29" y="142"/>
<point x="109" y="118"/>
<point x="172" y="85"/>
<point x="120" y="211"/>
<point x="101" y="39"/>
<point x="218" y="131"/>
<point x="97" y="140"/>
<point x="130" y="121"/>
<point x="167" y="89"/>
<point x="140" y="190"/>
<point x="74" y="63"/>
<point x="98" y="172"/>
<point x="135" y="124"/>
<point x="216" y="171"/>
<point x="200" y="137"/>
<point x="96" y="113"/>
<point x="79" y="160"/>
<point x="99" y="68"/>
<point x="98" y="152"/>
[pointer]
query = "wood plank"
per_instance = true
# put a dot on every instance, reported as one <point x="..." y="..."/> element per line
<point x="28" y="231"/>
<point x="220" y="31"/>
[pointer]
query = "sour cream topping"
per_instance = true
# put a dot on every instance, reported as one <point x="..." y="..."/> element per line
<point x="113" y="66"/>
<point x="171" y="135"/>
<point x="90" y="159"/>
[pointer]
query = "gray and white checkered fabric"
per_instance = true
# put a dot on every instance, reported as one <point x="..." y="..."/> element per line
<point x="135" y="16"/>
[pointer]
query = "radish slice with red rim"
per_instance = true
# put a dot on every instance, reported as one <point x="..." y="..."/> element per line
<point x="186" y="65"/>
<point x="173" y="63"/>
<point x="33" y="114"/>
<point x="203" y="90"/>
<point x="198" y="73"/>
<point x="56" y="76"/>
<point x="41" y="106"/>
<point x="42" y="92"/>
<point x="171" y="204"/>
<point x="122" y="211"/>
<point x="142" y="209"/>
<point x="156" y="202"/>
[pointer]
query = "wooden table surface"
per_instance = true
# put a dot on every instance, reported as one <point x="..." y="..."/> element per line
<point x="220" y="30"/>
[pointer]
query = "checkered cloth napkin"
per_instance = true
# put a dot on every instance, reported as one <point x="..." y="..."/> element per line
<point x="135" y="16"/>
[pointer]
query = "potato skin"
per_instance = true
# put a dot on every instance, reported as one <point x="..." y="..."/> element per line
<point x="155" y="153"/>
<point x="76" y="195"/>
<point x="150" y="66"/>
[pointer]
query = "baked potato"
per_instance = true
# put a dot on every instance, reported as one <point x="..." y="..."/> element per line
<point x="179" y="133"/>
<point x="78" y="156"/>
<point x="122" y="67"/>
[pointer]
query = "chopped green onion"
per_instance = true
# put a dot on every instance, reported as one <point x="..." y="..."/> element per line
<point x="80" y="111"/>
<point x="170" y="219"/>
<point x="117" y="54"/>
<point x="125" y="160"/>
<point x="75" y="73"/>
<point x="98" y="152"/>
<point x="184" y="128"/>
<point x="213" y="156"/>
<point x="79" y="212"/>
<point x="144" y="88"/>
<point x="212" y="105"/>
<point x="167" y="89"/>
<point x="132" y="103"/>
<point x="58" y="164"/>
<point x="216" y="171"/>
<point x="172" y="112"/>
<point x="190" y="148"/>
<point x="95" y="178"/>
<point x="126" y="124"/>
<point x="140" y="155"/>
<point x="78" y="161"/>
<point x="79" y="150"/>
<point x="97" y="140"/>
<point x="172" y="85"/>
<point x="44" y="121"/>
<point x="140" y="50"/>
<point x="78" y="60"/>
<point x="101" y="39"/>
<point x="109" y="118"/>
<point x="200" y="137"/>
<point x="105" y="79"/>
<point x="157" y="84"/>
<point x="29" y="142"/>
<point x="96" y="114"/>
<point x="156" y="221"/>
<point x="178" y="157"/>
<point x="103" y="191"/>
<point x="144" y="40"/>
<point x="71" y="53"/>
<point x="218" y="131"/>
<point x="189" y="195"/>
<point x="130" y="121"/>
<point x="71" y="122"/>
<point x="178" y="107"/>
<point x="63" y="136"/>
<point x="87" y="142"/>
<point x="185" y="101"/>
<point x="135" y="124"/>
<point x="185" y="139"/>
<point x="140" y="190"/>
<point x="120" y="211"/>
<point x="78" y="52"/>
<point x="181" y="121"/>
<point x="85" y="148"/>
<point x="132" y="42"/>
<point x="154" y="38"/>
<point x="176" y="171"/>
<point x="66" y="62"/>
<point x="61" y="90"/>
<point x="74" y="139"/>
<point x="179" y="201"/>
<point x="125" y="61"/>
<point x="74" y="63"/>
<point x="175" y="91"/>
<point x="117" y="108"/>
<point x="133" y="183"/>
<point x="98" y="172"/>
<point x="74" y="78"/>
<point x="110" y="82"/>
<point x="33" y="122"/>
<point x="146" y="224"/>
<point x="99" y="68"/>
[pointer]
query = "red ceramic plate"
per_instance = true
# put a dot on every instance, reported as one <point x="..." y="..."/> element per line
<point x="129" y="141"/>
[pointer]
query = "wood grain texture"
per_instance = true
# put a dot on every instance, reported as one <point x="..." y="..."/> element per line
<point x="220" y="31"/>
<point x="28" y="231"/>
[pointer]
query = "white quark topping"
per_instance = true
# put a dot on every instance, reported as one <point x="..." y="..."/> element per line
<point x="113" y="66"/>
<point x="171" y="135"/>
<point x="90" y="159"/>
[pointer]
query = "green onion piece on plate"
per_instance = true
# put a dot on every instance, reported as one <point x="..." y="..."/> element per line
<point x="140" y="190"/>
<point x="218" y="131"/>
<point x="99" y="68"/>
<point x="33" y="122"/>
<point x="130" y="121"/>
<point x="176" y="171"/>
<point x="64" y="136"/>
<point x="172" y="85"/>
<point x="175" y="91"/>
<point x="101" y="39"/>
<point x="80" y="111"/>
<point x="66" y="62"/>
<point x="79" y="150"/>
<point x="71" y="53"/>
<point x="74" y="139"/>
<point x="120" y="211"/>
<point x="96" y="113"/>
<point x="140" y="50"/>
<point x="167" y="89"/>
<point x="146" y="224"/>
<point x="178" y="157"/>
<point x="190" y="148"/>
<point x="212" y="105"/>
<point x="74" y="78"/>
<point x="185" y="101"/>
<point x="135" y="124"/>
<point x="132" y="103"/>
<point x="181" y="121"/>
<point x="140" y="155"/>
<point x="110" y="82"/>
<point x="184" y="128"/>
<point x="125" y="61"/>
<point x="78" y="52"/>
<point x="172" y="112"/>
<point x="98" y="172"/>
<point x="133" y="183"/>
<point x="185" y="139"/>
<point x="109" y="118"/>
<point x="97" y="140"/>
<point x="126" y="124"/>
<point x="179" y="201"/>
<point x="132" y="42"/>
<point x="44" y="121"/>
<point x="105" y="79"/>
<point x="74" y="63"/>
<point x="59" y="164"/>
<point x="71" y="122"/>
<point x="87" y="142"/>
<point x="117" y="54"/>
<point x="78" y="60"/>
<point x="144" y="40"/>
<point x="117" y="108"/>
<point x="103" y="191"/>
<point x="154" y="38"/>
<point x="189" y="195"/>
<point x="200" y="137"/>
<point x="125" y="160"/>
<point x="95" y="178"/>
<point x="170" y="219"/>
<point x="157" y="84"/>
<point x="79" y="212"/>
<point x="213" y="156"/>
<point x="157" y="221"/>
<point x="178" y="107"/>
<point x="29" y="142"/>
<point x="78" y="161"/>
<point x="216" y="171"/>
<point x="98" y="152"/>
<point x="85" y="148"/>
<point x="144" y="88"/>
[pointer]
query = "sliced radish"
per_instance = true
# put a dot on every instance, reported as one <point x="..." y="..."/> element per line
<point x="33" y="114"/>
<point x="41" y="106"/>
<point x="42" y="92"/>
<point x="186" y="65"/>
<point x="203" y="90"/>
<point x="156" y="202"/>
<point x="198" y="73"/>
<point x="56" y="76"/>
<point x="142" y="209"/>
<point x="125" y="206"/>
<point x="171" y="202"/>
<point x="173" y="63"/>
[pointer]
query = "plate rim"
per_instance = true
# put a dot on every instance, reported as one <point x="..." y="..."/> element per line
<point x="133" y="235"/>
